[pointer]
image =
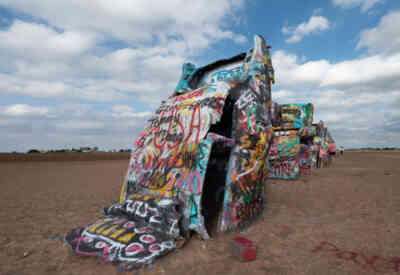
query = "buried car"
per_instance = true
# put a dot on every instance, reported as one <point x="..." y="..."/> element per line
<point x="199" y="164"/>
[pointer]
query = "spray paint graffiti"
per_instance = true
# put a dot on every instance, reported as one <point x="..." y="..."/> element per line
<point x="233" y="72"/>
<point x="285" y="168"/>
<point x="275" y="114"/>
<point x="324" y="146"/>
<point x="307" y="154"/>
<point x="314" y="156"/>
<point x="252" y="132"/>
<point x="295" y="116"/>
<point x="308" y="131"/>
<point x="173" y="168"/>
<point x="222" y="103"/>
<point x="313" y="148"/>
<point x="168" y="154"/>
<point x="135" y="232"/>
<point x="284" y="155"/>
<point x="170" y="158"/>
<point x="293" y="151"/>
<point x="305" y="159"/>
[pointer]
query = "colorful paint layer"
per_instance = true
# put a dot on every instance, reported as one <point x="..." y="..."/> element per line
<point x="295" y="116"/>
<point x="283" y="160"/>
<point x="222" y="105"/>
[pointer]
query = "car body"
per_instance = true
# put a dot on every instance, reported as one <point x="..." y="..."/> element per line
<point x="199" y="164"/>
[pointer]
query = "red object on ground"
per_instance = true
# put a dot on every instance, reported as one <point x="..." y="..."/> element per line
<point x="243" y="249"/>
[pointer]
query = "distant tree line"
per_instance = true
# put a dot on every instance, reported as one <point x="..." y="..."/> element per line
<point x="374" y="148"/>
<point x="80" y="150"/>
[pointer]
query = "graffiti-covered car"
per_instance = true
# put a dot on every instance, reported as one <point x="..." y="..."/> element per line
<point x="197" y="166"/>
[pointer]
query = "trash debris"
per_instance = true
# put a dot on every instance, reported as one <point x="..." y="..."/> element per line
<point x="54" y="237"/>
<point x="243" y="249"/>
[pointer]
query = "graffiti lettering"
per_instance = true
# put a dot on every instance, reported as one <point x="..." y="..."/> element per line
<point x="283" y="168"/>
<point x="244" y="100"/>
<point x="136" y="232"/>
<point x="171" y="156"/>
<point x="224" y="74"/>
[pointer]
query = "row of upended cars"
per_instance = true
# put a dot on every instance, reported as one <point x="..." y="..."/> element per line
<point x="202" y="161"/>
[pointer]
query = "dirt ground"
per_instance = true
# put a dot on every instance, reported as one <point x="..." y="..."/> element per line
<point x="70" y="156"/>
<point x="344" y="219"/>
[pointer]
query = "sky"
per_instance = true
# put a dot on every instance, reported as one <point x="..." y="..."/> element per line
<point x="91" y="72"/>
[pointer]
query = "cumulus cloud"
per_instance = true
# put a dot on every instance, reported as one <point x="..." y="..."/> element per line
<point x="379" y="71"/>
<point x="19" y="110"/>
<point x="125" y="53"/>
<point x="140" y="21"/>
<point x="81" y="125"/>
<point x="68" y="55"/>
<point x="291" y="72"/>
<point x="42" y="63"/>
<point x="367" y="73"/>
<point x="37" y="41"/>
<point x="123" y="111"/>
<point x="355" y="119"/>
<point x="384" y="38"/>
<point x="129" y="55"/>
<point x="26" y="126"/>
<point x="18" y="84"/>
<point x="392" y="120"/>
<point x="357" y="98"/>
<point x="364" y="4"/>
<point x="281" y="95"/>
<point x="314" y="25"/>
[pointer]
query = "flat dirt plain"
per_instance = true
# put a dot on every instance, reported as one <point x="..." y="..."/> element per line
<point x="344" y="219"/>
